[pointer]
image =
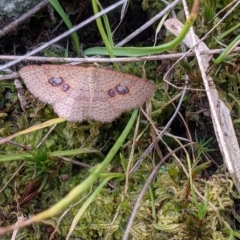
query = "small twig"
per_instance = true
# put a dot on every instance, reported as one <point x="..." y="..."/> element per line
<point x="76" y="162"/>
<point x="20" y="218"/>
<point x="18" y="144"/>
<point x="119" y="59"/>
<point x="12" y="177"/>
<point x="23" y="18"/>
<point x="46" y="136"/>
<point x="20" y="93"/>
<point x="148" y="24"/>
<point x="103" y="60"/>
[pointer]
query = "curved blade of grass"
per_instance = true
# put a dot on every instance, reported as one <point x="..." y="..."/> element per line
<point x="228" y="49"/>
<point x="82" y="187"/>
<point x="33" y="128"/>
<point x="159" y="27"/>
<point x="232" y="29"/>
<point x="68" y="23"/>
<point x="108" y="33"/>
<point x="106" y="37"/>
<point x="142" y="51"/>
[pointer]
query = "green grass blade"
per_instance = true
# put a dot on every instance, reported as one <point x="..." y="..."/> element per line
<point x="228" y="50"/>
<point x="25" y="156"/>
<point x="106" y="37"/>
<point x="68" y="23"/>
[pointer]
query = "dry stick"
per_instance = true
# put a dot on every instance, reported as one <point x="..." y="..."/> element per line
<point x="120" y="59"/>
<point x="46" y="136"/>
<point x="19" y="145"/>
<point x="12" y="177"/>
<point x="21" y="219"/>
<point x="20" y="94"/>
<point x="76" y="162"/>
<point x="123" y="13"/>
<point x="23" y="18"/>
<point x="103" y="60"/>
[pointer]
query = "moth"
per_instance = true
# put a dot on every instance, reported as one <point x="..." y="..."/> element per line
<point x="78" y="93"/>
